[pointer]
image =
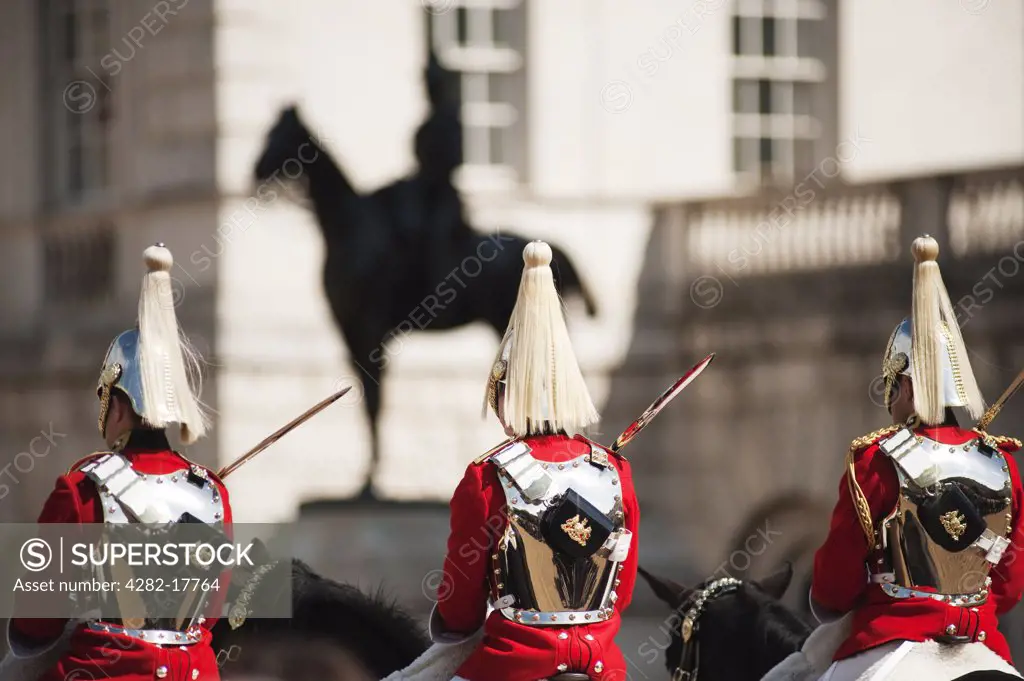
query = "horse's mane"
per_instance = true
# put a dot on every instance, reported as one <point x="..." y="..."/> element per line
<point x="367" y="622"/>
<point x="782" y="628"/>
<point x="370" y="625"/>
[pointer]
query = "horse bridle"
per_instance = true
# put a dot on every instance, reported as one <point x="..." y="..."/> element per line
<point x="689" y="658"/>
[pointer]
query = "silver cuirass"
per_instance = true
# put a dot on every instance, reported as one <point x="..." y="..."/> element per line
<point x="952" y="521"/>
<point x="185" y="496"/>
<point x="535" y="582"/>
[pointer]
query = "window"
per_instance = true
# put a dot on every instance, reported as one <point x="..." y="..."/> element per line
<point x="79" y="266"/>
<point x="781" y="99"/>
<point x="76" y="98"/>
<point x="482" y="40"/>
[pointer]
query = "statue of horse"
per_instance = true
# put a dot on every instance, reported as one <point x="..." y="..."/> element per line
<point x="402" y="258"/>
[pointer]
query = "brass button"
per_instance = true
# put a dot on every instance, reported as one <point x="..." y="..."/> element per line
<point x="951" y="629"/>
<point x="982" y="636"/>
<point x="599" y="666"/>
<point x="562" y="636"/>
<point x="562" y="667"/>
<point x="589" y="637"/>
<point x="161" y="672"/>
<point x="195" y="674"/>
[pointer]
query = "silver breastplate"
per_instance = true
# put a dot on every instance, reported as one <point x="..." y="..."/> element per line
<point x="535" y="583"/>
<point x="952" y="521"/>
<point x="127" y="497"/>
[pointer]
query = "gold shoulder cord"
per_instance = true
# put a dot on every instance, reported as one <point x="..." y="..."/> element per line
<point x="860" y="501"/>
<point x="1004" y="440"/>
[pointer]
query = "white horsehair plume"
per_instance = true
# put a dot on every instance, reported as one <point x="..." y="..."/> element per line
<point x="544" y="382"/>
<point x="934" y="323"/>
<point x="168" y="364"/>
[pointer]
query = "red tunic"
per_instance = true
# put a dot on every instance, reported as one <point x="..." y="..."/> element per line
<point x="99" y="655"/>
<point x="840" y="565"/>
<point x="511" y="651"/>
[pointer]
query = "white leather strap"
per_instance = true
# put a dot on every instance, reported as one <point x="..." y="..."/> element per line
<point x="618" y="544"/>
<point x="993" y="545"/>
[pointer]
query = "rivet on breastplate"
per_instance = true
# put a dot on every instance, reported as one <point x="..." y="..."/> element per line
<point x="174" y="478"/>
<point x="159" y="481"/>
<point x="515" y="500"/>
<point x="982" y="636"/>
<point x="575" y="464"/>
<point x="599" y="666"/>
<point x="161" y="672"/>
<point x="617" y="582"/>
<point x="536" y="617"/>
<point x="497" y="572"/>
<point x="554" y="618"/>
<point x="935" y="445"/>
<point x="571" y="617"/>
<point x="586" y="616"/>
<point x="617" y="498"/>
<point x="562" y="636"/>
<point x="561" y="466"/>
<point x="952" y="450"/>
<point x="112" y="509"/>
<point x="613" y="596"/>
<point x="544" y="466"/>
<point x="494" y="556"/>
<point x="615" y="482"/>
<point x="951" y="629"/>
<point x="216" y="516"/>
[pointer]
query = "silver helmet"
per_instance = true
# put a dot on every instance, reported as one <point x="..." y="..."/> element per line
<point x="928" y="348"/>
<point x="898" y="361"/>
<point x="153" y="364"/>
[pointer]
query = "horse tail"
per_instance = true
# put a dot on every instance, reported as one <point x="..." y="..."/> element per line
<point x="569" y="280"/>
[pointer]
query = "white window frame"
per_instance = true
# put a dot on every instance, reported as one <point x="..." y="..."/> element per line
<point x="476" y="60"/>
<point x="783" y="126"/>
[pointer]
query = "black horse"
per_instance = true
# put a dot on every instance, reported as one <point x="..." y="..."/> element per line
<point x="402" y="258"/>
<point x="336" y="626"/>
<point x="742" y="630"/>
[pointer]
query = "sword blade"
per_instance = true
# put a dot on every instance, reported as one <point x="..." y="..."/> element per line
<point x="660" y="403"/>
<point x="282" y="431"/>
<point x="997" y="406"/>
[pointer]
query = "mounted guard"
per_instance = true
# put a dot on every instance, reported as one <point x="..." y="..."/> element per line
<point x="543" y="527"/>
<point x="923" y="540"/>
<point x="145" y="387"/>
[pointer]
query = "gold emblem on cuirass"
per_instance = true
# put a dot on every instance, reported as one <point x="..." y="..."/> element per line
<point x="954" y="523"/>
<point x="577" y="529"/>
